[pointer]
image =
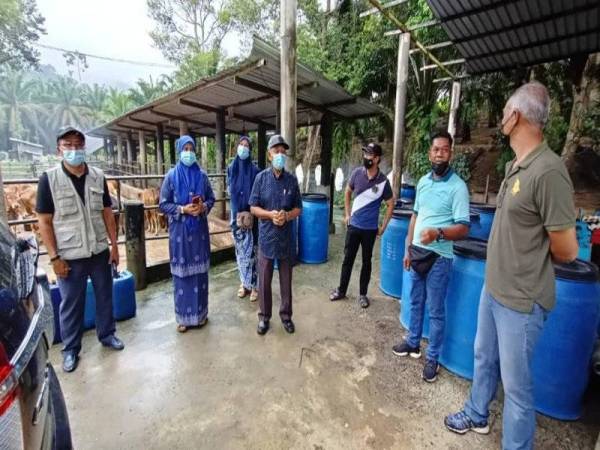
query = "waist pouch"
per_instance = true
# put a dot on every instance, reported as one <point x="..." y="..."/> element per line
<point x="245" y="220"/>
<point x="421" y="260"/>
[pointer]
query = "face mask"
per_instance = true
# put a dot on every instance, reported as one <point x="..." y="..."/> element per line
<point x="74" y="157"/>
<point x="368" y="163"/>
<point x="439" y="168"/>
<point x="279" y="161"/>
<point x="187" y="158"/>
<point x="243" y="152"/>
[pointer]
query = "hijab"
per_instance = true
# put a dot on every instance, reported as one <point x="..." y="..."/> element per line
<point x="187" y="182"/>
<point x="241" y="174"/>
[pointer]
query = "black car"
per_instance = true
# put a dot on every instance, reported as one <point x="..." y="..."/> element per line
<point x="33" y="414"/>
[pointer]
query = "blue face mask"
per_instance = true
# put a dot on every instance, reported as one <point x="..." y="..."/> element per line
<point x="188" y="158"/>
<point x="74" y="157"/>
<point x="243" y="152"/>
<point x="279" y="161"/>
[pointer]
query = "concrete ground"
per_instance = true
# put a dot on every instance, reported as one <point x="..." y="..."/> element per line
<point x="334" y="384"/>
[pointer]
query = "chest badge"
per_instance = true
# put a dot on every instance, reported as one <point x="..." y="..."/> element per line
<point x="516" y="187"/>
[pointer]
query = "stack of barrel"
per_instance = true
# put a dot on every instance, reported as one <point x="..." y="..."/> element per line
<point x="561" y="363"/>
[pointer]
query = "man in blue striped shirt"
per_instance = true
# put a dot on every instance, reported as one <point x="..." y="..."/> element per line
<point x="370" y="187"/>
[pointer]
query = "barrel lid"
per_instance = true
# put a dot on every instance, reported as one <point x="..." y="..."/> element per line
<point x="406" y="185"/>
<point x="402" y="213"/>
<point x="471" y="248"/>
<point x="314" y="197"/>
<point x="484" y="207"/>
<point x="578" y="270"/>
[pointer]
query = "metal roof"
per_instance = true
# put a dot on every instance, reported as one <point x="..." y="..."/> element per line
<point x="248" y="92"/>
<point x="499" y="34"/>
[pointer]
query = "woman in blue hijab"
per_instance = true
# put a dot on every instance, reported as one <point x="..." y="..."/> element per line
<point x="186" y="197"/>
<point x="240" y="175"/>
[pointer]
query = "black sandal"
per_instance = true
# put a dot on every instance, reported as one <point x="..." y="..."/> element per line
<point x="336" y="295"/>
<point x="363" y="301"/>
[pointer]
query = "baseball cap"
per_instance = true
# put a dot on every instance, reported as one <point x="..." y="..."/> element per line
<point x="277" y="139"/>
<point x="373" y="149"/>
<point x="63" y="131"/>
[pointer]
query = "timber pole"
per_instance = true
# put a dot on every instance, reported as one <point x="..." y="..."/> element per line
<point x="221" y="151"/>
<point x="183" y="128"/>
<point x="160" y="148"/>
<point x="288" y="81"/>
<point x="454" y="104"/>
<point x="130" y="149"/>
<point x="400" y="110"/>
<point x="3" y="214"/>
<point x="119" y="150"/>
<point x="261" y="144"/>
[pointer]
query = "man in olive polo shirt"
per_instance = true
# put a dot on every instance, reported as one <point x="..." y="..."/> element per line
<point x="534" y="224"/>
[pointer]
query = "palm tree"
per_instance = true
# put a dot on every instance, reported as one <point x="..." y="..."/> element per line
<point x="146" y="91"/>
<point x="95" y="98"/>
<point x="67" y="104"/>
<point x="117" y="104"/>
<point x="16" y="107"/>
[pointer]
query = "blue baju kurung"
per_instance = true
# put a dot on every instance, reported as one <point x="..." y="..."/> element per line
<point x="189" y="241"/>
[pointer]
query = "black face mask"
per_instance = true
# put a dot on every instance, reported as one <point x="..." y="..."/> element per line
<point x="368" y="163"/>
<point x="439" y="168"/>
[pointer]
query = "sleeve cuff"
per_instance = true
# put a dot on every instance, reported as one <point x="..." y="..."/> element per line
<point x="562" y="227"/>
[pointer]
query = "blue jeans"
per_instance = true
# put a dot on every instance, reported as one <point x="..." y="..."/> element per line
<point x="431" y="289"/>
<point x="504" y="347"/>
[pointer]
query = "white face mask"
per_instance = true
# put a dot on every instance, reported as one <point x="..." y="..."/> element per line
<point x="243" y="151"/>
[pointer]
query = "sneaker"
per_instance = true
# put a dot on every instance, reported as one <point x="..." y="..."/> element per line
<point x="404" y="349"/>
<point x="461" y="423"/>
<point x="430" y="370"/>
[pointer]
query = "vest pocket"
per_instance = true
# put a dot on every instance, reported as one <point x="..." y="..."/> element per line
<point x="67" y="204"/>
<point x="66" y="239"/>
<point x="96" y="202"/>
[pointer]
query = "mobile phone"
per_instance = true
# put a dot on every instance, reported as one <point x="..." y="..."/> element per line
<point x="196" y="199"/>
<point x="115" y="270"/>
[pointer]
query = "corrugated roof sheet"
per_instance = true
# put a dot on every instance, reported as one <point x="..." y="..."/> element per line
<point x="248" y="92"/>
<point x="498" y="34"/>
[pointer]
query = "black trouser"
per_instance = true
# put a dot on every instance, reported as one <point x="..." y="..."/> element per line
<point x="265" y="294"/>
<point x="356" y="237"/>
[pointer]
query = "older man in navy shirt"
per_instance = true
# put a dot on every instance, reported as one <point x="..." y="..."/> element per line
<point x="275" y="201"/>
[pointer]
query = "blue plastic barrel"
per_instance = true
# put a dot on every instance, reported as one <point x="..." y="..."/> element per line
<point x="483" y="227"/>
<point x="584" y="239"/>
<point x="405" y="305"/>
<point x="462" y="305"/>
<point x="56" y="299"/>
<point x="313" y="229"/>
<point x="124" y="305"/>
<point x="393" y="243"/>
<point x="408" y="192"/>
<point x="561" y="360"/>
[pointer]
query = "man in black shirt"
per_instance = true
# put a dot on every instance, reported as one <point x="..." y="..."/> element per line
<point x="76" y="220"/>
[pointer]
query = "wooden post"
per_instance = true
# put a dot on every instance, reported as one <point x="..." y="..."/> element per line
<point x="111" y="149"/>
<point x="183" y="128"/>
<point x="221" y="149"/>
<point x="105" y="147"/>
<point x="204" y="152"/>
<point x="160" y="148"/>
<point x="172" y="152"/>
<point x="261" y="144"/>
<point x="143" y="150"/>
<point x="3" y="213"/>
<point x="326" y="149"/>
<point x="454" y="103"/>
<point x="401" y="83"/>
<point x="135" y="246"/>
<point x="288" y="81"/>
<point x="119" y="150"/>
<point x="130" y="148"/>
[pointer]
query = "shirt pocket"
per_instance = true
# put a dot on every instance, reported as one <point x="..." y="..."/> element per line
<point x="69" y="237"/>
<point x="96" y="199"/>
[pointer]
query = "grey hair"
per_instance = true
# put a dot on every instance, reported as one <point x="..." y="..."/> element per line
<point x="532" y="100"/>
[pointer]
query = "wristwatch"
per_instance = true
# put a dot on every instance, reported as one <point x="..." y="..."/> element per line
<point x="54" y="258"/>
<point x="440" y="236"/>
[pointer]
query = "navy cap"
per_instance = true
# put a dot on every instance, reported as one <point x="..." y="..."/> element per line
<point x="373" y="149"/>
<point x="63" y="131"/>
<point x="277" y="139"/>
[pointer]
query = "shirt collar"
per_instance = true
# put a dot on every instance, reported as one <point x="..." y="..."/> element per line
<point x="85" y="172"/>
<point x="444" y="178"/>
<point x="280" y="175"/>
<point x="542" y="147"/>
<point x="366" y="173"/>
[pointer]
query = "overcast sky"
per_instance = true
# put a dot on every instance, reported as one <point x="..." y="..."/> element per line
<point x="111" y="28"/>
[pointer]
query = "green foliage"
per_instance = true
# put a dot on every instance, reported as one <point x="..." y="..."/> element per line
<point x="20" y="25"/>
<point x="342" y="142"/>
<point x="590" y="128"/>
<point x="555" y="131"/>
<point x="462" y="166"/>
<point x="506" y="153"/>
<point x="422" y="122"/>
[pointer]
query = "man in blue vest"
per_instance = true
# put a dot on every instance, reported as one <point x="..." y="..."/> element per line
<point x="76" y="220"/>
<point x="370" y="188"/>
